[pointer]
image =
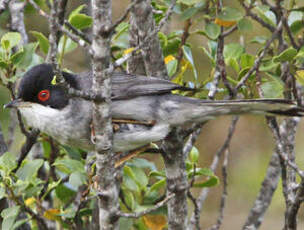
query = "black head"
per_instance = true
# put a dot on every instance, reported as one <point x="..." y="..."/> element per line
<point x="35" y="86"/>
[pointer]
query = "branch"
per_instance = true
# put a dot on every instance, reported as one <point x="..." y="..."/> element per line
<point x="220" y="67"/>
<point x="106" y="174"/>
<point x="26" y="147"/>
<point x="16" y="9"/>
<point x="123" y="59"/>
<point x="61" y="28"/>
<point x="263" y="200"/>
<point x="3" y="5"/>
<point x="255" y="17"/>
<point x="258" y="61"/>
<point x="148" y="210"/>
<point x="224" y="193"/>
<point x="203" y="195"/>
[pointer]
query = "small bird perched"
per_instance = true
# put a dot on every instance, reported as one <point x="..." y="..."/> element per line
<point x="147" y="100"/>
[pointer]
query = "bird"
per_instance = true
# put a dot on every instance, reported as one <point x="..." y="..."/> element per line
<point x="146" y="104"/>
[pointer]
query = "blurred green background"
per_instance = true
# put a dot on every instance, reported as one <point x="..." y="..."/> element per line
<point x="252" y="143"/>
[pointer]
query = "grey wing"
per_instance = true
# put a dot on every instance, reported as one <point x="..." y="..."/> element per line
<point x="127" y="86"/>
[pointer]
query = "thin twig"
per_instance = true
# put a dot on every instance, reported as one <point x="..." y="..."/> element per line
<point x="255" y="17"/>
<point x="148" y="210"/>
<point x="124" y="16"/>
<point x="224" y="193"/>
<point x="123" y="59"/>
<point x="203" y="195"/>
<point x="77" y="32"/>
<point x="259" y="59"/>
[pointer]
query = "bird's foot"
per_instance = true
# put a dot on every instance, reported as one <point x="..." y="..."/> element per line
<point x="127" y="121"/>
<point x="130" y="155"/>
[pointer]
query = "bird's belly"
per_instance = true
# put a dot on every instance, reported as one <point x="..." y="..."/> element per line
<point x="70" y="127"/>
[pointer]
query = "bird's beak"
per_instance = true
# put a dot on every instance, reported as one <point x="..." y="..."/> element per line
<point x="14" y="104"/>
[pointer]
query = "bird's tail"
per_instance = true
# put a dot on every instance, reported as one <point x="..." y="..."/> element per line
<point x="194" y="110"/>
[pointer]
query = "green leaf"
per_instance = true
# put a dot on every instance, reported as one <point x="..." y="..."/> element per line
<point x="172" y="47"/>
<point x="29" y="169"/>
<point x="212" y="30"/>
<point x="30" y="58"/>
<point x="296" y="27"/>
<point x="234" y="64"/>
<point x="245" y="25"/>
<point x="68" y="165"/>
<point x="230" y="14"/>
<point x="158" y="185"/>
<point x="188" y="55"/>
<point x="200" y="172"/>
<point x="9" y="216"/>
<point x="267" y="15"/>
<point x="129" y="199"/>
<point x="273" y="88"/>
<point x="64" y="193"/>
<point x="212" y="181"/>
<point x="77" y="178"/>
<point x="19" y="223"/>
<point x="188" y="13"/>
<point x="294" y="16"/>
<point x="3" y="64"/>
<point x="171" y="67"/>
<point x="69" y="45"/>
<point x="268" y="65"/>
<point x="140" y="177"/>
<point x="247" y="60"/>
<point x="259" y="40"/>
<point x="190" y="2"/>
<point x="286" y="55"/>
<point x="43" y="41"/>
<point x="81" y="21"/>
<point x="8" y="162"/>
<point x="5" y="44"/>
<point x="17" y="57"/>
<point x="10" y="39"/>
<point x="233" y="50"/>
<point x="194" y="155"/>
<point x="77" y="10"/>
<point x="129" y="179"/>
<point x="300" y="76"/>
<point x="157" y="174"/>
<point x="141" y="163"/>
<point x="121" y="38"/>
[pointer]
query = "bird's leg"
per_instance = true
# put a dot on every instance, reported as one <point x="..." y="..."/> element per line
<point x="127" y="121"/>
<point x="130" y="155"/>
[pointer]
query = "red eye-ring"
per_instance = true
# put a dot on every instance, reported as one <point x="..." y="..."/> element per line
<point x="44" y="95"/>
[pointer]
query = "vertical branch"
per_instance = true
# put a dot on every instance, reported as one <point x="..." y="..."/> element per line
<point x="142" y="23"/>
<point x="17" y="23"/>
<point x="204" y="193"/>
<point x="224" y="193"/>
<point x="177" y="183"/>
<point x="107" y="185"/>
<point x="143" y="27"/>
<point x="263" y="200"/>
<point x="220" y="67"/>
<point x="53" y="21"/>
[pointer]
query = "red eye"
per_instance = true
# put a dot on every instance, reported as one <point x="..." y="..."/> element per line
<point x="44" y="95"/>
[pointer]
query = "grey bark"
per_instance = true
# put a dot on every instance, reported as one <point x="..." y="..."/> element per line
<point x="107" y="185"/>
<point x="264" y="198"/>
<point x="150" y="62"/>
